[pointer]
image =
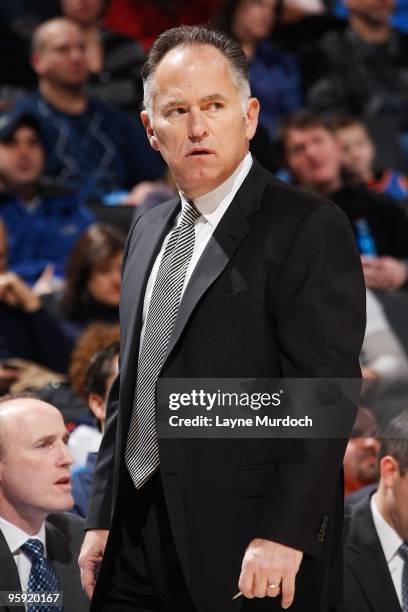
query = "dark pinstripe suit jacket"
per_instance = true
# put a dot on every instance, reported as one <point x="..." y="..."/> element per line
<point x="277" y="292"/>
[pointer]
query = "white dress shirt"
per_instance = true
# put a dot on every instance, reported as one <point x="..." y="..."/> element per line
<point x="390" y="543"/>
<point x="212" y="207"/>
<point x="16" y="537"/>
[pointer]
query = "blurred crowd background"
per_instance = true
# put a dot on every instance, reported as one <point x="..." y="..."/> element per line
<point x="75" y="165"/>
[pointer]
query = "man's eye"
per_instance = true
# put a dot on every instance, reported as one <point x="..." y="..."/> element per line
<point x="173" y="112"/>
<point x="45" y="444"/>
<point x="214" y="106"/>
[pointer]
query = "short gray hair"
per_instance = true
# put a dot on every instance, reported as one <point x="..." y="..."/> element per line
<point x="186" y="36"/>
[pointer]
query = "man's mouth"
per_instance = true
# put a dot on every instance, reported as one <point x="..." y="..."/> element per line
<point x="64" y="480"/>
<point x="199" y="151"/>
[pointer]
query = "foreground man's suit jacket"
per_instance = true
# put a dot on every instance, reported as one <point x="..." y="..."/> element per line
<point x="368" y="586"/>
<point x="64" y="533"/>
<point x="278" y="291"/>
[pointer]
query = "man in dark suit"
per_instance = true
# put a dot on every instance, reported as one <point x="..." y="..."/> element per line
<point x="266" y="278"/>
<point x="377" y="550"/>
<point x="38" y="550"/>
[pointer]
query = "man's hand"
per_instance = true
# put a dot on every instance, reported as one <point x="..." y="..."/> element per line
<point x="266" y="563"/>
<point x="90" y="558"/>
<point x="384" y="273"/>
<point x="15" y="292"/>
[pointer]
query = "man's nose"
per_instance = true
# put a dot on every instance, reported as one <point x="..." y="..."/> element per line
<point x="197" y="126"/>
<point x="65" y="456"/>
<point x="371" y="442"/>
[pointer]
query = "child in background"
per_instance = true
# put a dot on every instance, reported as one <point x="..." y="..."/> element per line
<point x="358" y="152"/>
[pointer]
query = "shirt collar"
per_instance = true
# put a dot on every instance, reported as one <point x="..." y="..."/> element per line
<point x="15" y="537"/>
<point x="389" y="538"/>
<point x="212" y="205"/>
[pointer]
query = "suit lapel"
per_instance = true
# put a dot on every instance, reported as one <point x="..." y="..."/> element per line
<point x="140" y="260"/>
<point x="369" y="565"/>
<point x="227" y="237"/>
<point x="9" y="578"/>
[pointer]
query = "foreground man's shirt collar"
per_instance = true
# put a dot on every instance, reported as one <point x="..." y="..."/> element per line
<point x="389" y="538"/>
<point x="212" y="205"/>
<point x="15" y="537"/>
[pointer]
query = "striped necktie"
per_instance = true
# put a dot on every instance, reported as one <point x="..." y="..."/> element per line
<point x="142" y="450"/>
<point x="403" y="552"/>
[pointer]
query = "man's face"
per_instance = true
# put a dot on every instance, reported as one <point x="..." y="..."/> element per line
<point x="22" y="158"/>
<point x="313" y="157"/>
<point x="198" y="123"/>
<point x="357" y="151"/>
<point x="360" y="459"/>
<point x="35" y="462"/>
<point x="62" y="59"/>
<point x="374" y="10"/>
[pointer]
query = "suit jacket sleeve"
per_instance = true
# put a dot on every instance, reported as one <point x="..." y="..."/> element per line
<point x="320" y="318"/>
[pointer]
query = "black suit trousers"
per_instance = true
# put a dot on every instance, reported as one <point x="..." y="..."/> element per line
<point x="147" y="575"/>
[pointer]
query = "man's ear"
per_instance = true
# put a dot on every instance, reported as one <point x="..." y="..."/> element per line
<point x="389" y="471"/>
<point x="251" y="118"/>
<point x="96" y="404"/>
<point x="144" y="115"/>
<point x="36" y="63"/>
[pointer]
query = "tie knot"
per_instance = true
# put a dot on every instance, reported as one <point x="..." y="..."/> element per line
<point x="189" y="213"/>
<point x="34" y="549"/>
<point x="403" y="551"/>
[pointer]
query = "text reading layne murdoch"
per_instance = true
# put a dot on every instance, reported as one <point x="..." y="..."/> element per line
<point x="233" y="423"/>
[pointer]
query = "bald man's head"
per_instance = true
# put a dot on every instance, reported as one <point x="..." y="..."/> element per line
<point x="18" y="412"/>
<point x="34" y="461"/>
<point x="48" y="29"/>
<point x="58" y="53"/>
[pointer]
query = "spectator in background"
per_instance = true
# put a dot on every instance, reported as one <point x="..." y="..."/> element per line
<point x="273" y="73"/>
<point x="399" y="18"/>
<point x="360" y="459"/>
<point x="382" y="355"/>
<point x="39" y="545"/>
<point x="43" y="223"/>
<point x="69" y="396"/>
<point x="358" y="158"/>
<point x="27" y="330"/>
<point x="313" y="155"/>
<point x="376" y="552"/>
<point x="83" y="443"/>
<point x="93" y="279"/>
<point x="94" y="149"/>
<point x="360" y="66"/>
<point x="114" y="60"/>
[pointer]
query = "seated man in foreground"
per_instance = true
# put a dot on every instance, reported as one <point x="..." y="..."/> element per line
<point x="38" y="550"/>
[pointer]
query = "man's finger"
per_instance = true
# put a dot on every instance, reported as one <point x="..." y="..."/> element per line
<point x="260" y="585"/>
<point x="288" y="590"/>
<point x="273" y="587"/>
<point x="88" y="581"/>
<point x="246" y="583"/>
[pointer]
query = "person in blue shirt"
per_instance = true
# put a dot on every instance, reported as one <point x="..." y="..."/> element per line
<point x="359" y="159"/>
<point x="95" y="149"/>
<point x="42" y="222"/>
